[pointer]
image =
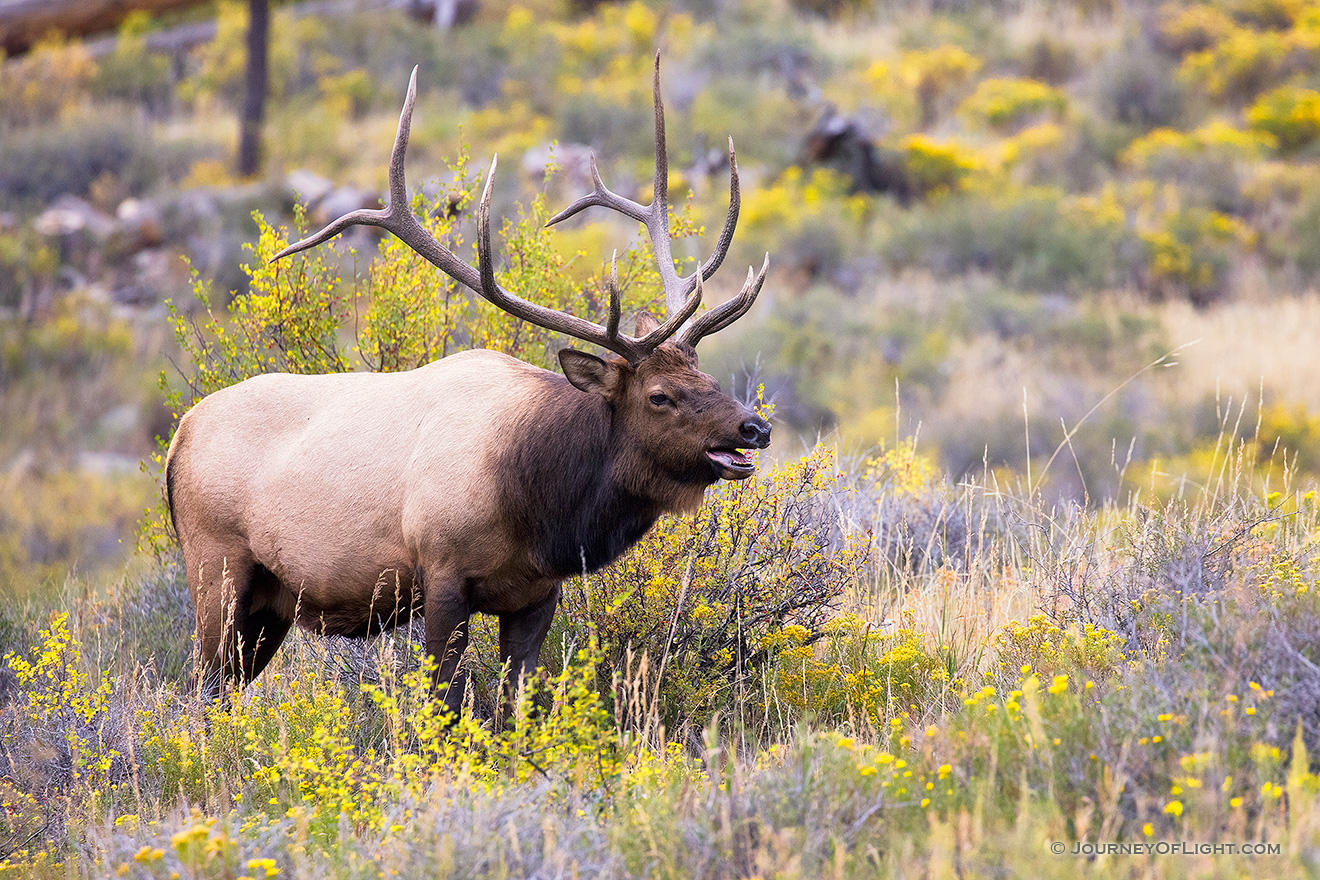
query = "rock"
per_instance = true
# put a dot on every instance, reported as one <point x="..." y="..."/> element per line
<point x="69" y="215"/>
<point x="573" y="161"/>
<point x="140" y="224"/>
<point x="155" y="273"/>
<point x="195" y="206"/>
<point x="120" y="421"/>
<point x="309" y="187"/>
<point x="343" y="200"/>
<point x="107" y="464"/>
<point x="80" y="234"/>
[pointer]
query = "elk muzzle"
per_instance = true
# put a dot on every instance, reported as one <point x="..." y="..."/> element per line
<point x="732" y="462"/>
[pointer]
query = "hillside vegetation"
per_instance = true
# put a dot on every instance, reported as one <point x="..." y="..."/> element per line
<point x="1031" y="561"/>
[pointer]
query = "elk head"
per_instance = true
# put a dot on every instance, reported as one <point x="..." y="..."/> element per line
<point x="677" y="416"/>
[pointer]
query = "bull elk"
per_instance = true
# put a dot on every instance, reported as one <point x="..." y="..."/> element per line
<point x="478" y="483"/>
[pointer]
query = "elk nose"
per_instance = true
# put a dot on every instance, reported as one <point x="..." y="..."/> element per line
<point x="756" y="431"/>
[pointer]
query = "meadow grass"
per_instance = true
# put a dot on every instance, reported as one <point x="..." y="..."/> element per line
<point x="856" y="665"/>
<point x="994" y="677"/>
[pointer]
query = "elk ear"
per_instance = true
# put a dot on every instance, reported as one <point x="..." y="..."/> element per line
<point x="646" y="322"/>
<point x="589" y="373"/>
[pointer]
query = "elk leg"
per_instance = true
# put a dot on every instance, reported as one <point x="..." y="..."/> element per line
<point x="236" y="640"/>
<point x="262" y="633"/>
<point x="446" y="612"/>
<point x="521" y="636"/>
<point x="260" y="630"/>
<point x="219" y="584"/>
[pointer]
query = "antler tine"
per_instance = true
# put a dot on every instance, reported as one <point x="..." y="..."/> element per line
<point x="676" y="320"/>
<point x="485" y="262"/>
<point x="716" y="258"/>
<point x="660" y="190"/>
<point x="551" y="319"/>
<point x="361" y="217"/>
<point x="601" y="196"/>
<point x="654" y="216"/>
<point x="398" y="189"/>
<point x="725" y="314"/>
<point x="612" y="328"/>
<point x="657" y="221"/>
<point x="397" y="216"/>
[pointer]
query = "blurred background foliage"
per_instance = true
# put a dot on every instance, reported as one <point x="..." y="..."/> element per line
<point x="983" y="218"/>
<point x="1039" y="345"/>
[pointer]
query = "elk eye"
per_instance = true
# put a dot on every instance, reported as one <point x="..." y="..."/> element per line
<point x="660" y="400"/>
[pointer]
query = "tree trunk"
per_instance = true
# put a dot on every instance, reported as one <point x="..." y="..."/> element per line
<point x="254" y="98"/>
<point x="23" y="22"/>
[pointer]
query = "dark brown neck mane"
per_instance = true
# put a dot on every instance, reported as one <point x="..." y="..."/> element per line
<point x="580" y="492"/>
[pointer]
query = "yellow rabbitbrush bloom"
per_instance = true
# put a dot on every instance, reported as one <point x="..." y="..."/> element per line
<point x="52" y="78"/>
<point x="61" y="697"/>
<point x="799" y="199"/>
<point x="1043" y="645"/>
<point x="737" y="599"/>
<point x="1194" y="28"/>
<point x="937" y="168"/>
<point x="901" y="471"/>
<point x="1193" y="249"/>
<point x="1165" y="147"/>
<point x="1006" y="102"/>
<point x="1290" y="114"/>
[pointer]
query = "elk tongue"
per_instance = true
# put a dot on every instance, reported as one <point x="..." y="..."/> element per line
<point x="734" y="459"/>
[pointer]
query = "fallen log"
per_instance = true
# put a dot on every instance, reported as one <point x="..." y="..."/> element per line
<point x="24" y="22"/>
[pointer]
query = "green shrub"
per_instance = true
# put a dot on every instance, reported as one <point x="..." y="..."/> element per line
<point x="852" y="676"/>
<point x="702" y="597"/>
<point x="1160" y="151"/>
<point x="934" y="76"/>
<point x="1267" y="14"/>
<point x="1293" y="432"/>
<point x="1196" y="27"/>
<point x="1036" y="237"/>
<point x="1290" y="114"/>
<point x="69" y="156"/>
<point x="806" y="220"/>
<point x="1044" y="647"/>
<point x="1246" y="62"/>
<point x="296" y="44"/>
<point x="52" y="521"/>
<point x="62" y="708"/>
<point x="26" y="264"/>
<point x="1006" y="103"/>
<point x="134" y="74"/>
<point x="1289" y="193"/>
<point x="1192" y="251"/>
<point x="1211" y="163"/>
<point x="49" y="81"/>
<point x="1136" y="86"/>
<point x="933" y="168"/>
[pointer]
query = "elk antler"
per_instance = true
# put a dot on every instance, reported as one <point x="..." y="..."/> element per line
<point x="655" y="217"/>
<point x="683" y="296"/>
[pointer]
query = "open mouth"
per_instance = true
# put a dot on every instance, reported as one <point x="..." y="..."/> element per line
<point x="732" y="464"/>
